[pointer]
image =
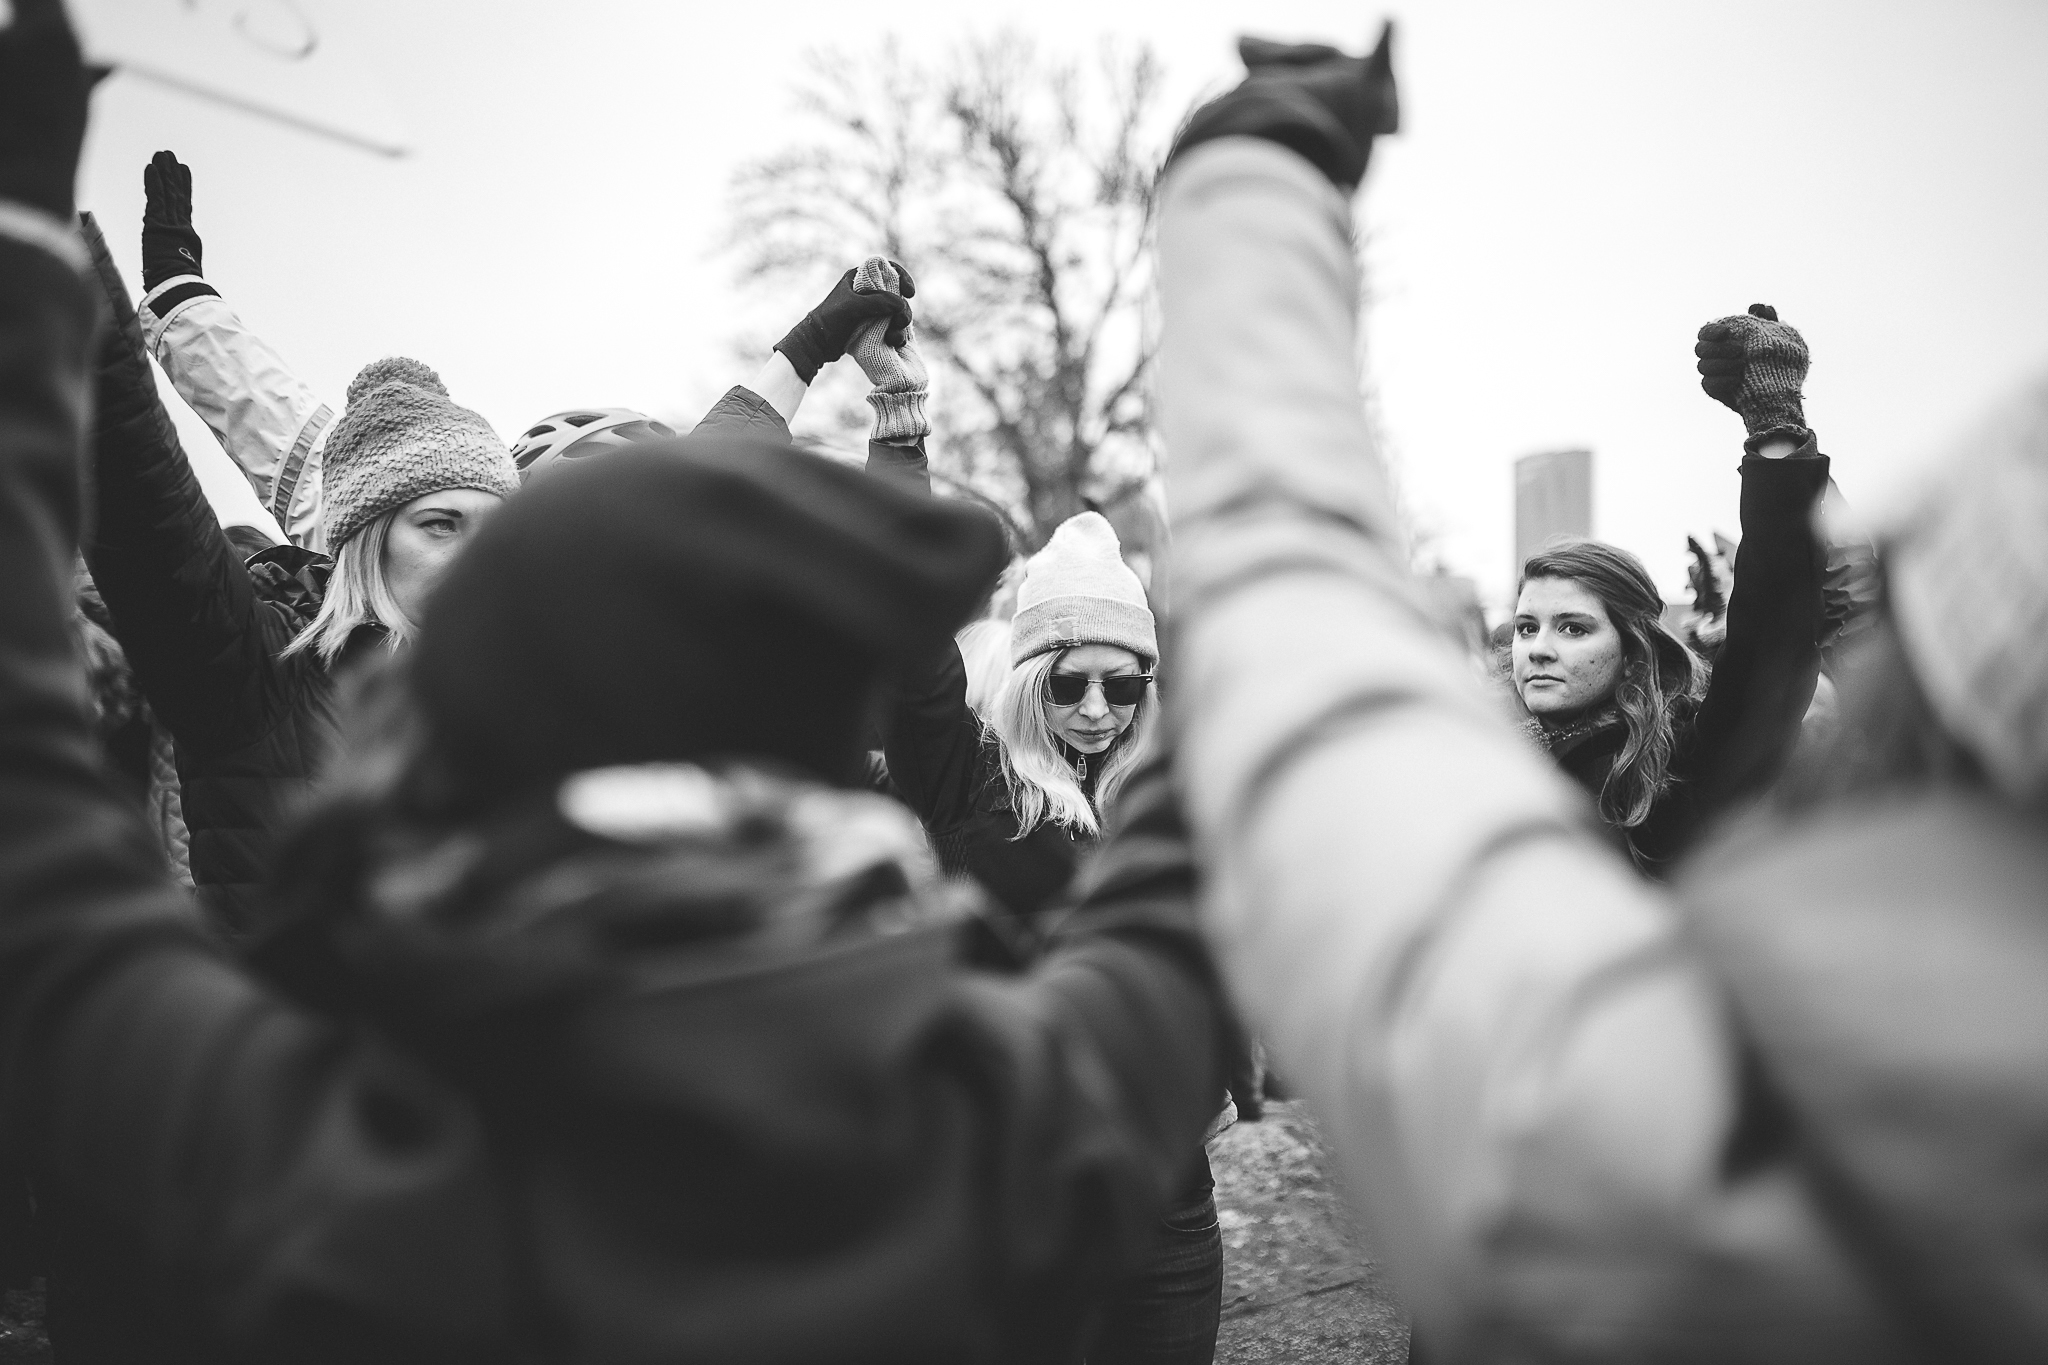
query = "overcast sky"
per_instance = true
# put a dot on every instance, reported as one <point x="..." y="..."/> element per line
<point x="1578" y="186"/>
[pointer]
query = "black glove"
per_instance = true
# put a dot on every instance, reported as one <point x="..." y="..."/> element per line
<point x="1310" y="99"/>
<point x="827" y="330"/>
<point x="43" y="95"/>
<point x="170" y="246"/>
<point x="1756" y="365"/>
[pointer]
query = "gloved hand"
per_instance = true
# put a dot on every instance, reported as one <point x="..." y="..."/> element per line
<point x="1756" y="364"/>
<point x="895" y="369"/>
<point x="825" y="331"/>
<point x="170" y="246"/>
<point x="44" y="87"/>
<point x="1309" y="98"/>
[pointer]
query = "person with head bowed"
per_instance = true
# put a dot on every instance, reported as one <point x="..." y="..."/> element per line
<point x="1016" y="796"/>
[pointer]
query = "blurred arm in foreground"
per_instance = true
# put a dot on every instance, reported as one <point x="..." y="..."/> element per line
<point x="1534" y="1084"/>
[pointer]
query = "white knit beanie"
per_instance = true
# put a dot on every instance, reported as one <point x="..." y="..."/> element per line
<point x="1968" y="576"/>
<point x="403" y="438"/>
<point x="1078" y="591"/>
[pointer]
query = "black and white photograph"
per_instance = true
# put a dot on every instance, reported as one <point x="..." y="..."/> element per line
<point x="1040" y="683"/>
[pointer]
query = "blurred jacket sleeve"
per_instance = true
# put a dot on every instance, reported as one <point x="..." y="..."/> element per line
<point x="1102" y="1068"/>
<point x="271" y="423"/>
<point x="1531" y="1083"/>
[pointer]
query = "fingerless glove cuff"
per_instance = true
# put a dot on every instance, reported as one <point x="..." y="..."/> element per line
<point x="899" y="416"/>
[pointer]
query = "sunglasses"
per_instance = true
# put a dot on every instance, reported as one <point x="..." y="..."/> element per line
<point x="1071" y="689"/>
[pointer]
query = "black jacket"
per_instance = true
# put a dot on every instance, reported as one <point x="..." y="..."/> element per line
<point x="949" y="770"/>
<point x="1733" y="744"/>
<point x="681" y="1146"/>
<point x="252" y="729"/>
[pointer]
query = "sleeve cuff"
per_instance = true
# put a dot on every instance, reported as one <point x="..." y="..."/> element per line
<point x="1802" y="436"/>
<point x="899" y="417"/>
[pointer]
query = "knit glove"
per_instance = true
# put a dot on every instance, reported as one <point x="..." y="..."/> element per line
<point x="1311" y="99"/>
<point x="825" y="332"/>
<point x="170" y="246"/>
<point x="44" y="87"/>
<point x="896" y="370"/>
<point x="1756" y="364"/>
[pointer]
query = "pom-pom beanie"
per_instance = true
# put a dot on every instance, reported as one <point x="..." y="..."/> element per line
<point x="402" y="438"/>
<point x="1078" y="591"/>
<point x="1967" y="572"/>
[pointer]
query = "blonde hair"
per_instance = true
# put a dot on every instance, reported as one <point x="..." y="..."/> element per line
<point x="356" y="596"/>
<point x="1042" y="785"/>
<point x="985" y="651"/>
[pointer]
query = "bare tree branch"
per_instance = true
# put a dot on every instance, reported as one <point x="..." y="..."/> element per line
<point x="1018" y="186"/>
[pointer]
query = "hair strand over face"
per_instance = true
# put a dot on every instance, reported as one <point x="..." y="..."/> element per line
<point x="357" y="595"/>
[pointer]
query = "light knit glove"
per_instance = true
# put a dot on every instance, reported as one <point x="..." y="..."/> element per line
<point x="1756" y="365"/>
<point x="897" y="372"/>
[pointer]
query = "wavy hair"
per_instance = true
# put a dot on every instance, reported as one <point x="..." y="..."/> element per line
<point x="1041" y="784"/>
<point x="1661" y="682"/>
<point x="357" y="595"/>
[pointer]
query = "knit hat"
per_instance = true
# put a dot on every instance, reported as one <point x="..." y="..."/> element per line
<point x="1078" y="591"/>
<point x="677" y="601"/>
<point x="401" y="438"/>
<point x="1967" y="571"/>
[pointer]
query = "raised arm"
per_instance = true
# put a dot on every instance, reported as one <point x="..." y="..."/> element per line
<point x="1528" y="1077"/>
<point x="271" y="423"/>
<point x="201" y="643"/>
<point x="932" y="738"/>
<point x="1764" y="675"/>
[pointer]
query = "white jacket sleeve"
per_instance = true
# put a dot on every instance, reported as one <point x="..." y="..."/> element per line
<point x="268" y="420"/>
<point x="1529" y="1078"/>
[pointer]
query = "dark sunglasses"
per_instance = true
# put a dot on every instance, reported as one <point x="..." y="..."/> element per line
<point x="1071" y="689"/>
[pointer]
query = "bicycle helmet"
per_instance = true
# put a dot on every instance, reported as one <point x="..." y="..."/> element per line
<point x="581" y="432"/>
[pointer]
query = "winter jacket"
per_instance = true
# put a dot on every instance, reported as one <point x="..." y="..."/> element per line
<point x="203" y="633"/>
<point x="1734" y="741"/>
<point x="948" y="768"/>
<point x="270" y="422"/>
<point x="1787" y="1110"/>
<point x="737" y="1094"/>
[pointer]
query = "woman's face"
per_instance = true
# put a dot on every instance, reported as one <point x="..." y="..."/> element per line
<point x="1567" y="652"/>
<point x="1091" y="725"/>
<point x="424" y="536"/>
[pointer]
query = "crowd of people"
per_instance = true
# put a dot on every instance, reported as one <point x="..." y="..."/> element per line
<point x="629" y="896"/>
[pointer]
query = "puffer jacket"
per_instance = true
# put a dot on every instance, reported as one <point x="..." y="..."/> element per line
<point x="737" y="1086"/>
<point x="1733" y="742"/>
<point x="203" y="633"/>
<point x="1787" y="1110"/>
